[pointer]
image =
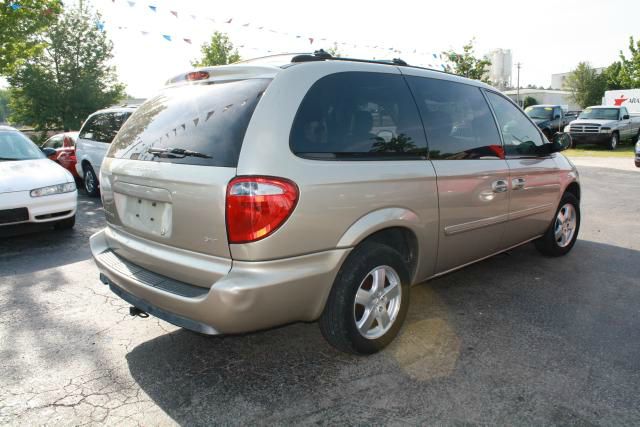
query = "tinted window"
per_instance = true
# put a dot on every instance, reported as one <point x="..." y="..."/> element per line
<point x="210" y="119"/>
<point x="520" y="136"/>
<point x="457" y="119"/>
<point x="103" y="127"/>
<point x="358" y="115"/>
<point x="623" y="112"/>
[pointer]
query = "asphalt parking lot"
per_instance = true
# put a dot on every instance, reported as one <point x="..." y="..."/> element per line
<point x="517" y="339"/>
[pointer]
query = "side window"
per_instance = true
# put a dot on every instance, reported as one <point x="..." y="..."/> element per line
<point x="457" y="119"/>
<point x="103" y="128"/>
<point x="53" y="142"/>
<point x="556" y="113"/>
<point x="87" y="131"/>
<point x="623" y="112"/>
<point x="358" y="115"/>
<point x="521" y="137"/>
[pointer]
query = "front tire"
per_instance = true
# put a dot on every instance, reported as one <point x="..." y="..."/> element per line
<point x="563" y="230"/>
<point x="369" y="300"/>
<point x="91" y="184"/>
<point x="613" y="141"/>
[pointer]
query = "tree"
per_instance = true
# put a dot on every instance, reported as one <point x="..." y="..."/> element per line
<point x="70" y="79"/>
<point x="20" y="24"/>
<point x="629" y="70"/>
<point x="466" y="64"/>
<point x="528" y="101"/>
<point x="333" y="51"/>
<point x="586" y="85"/>
<point x="219" y="51"/>
<point x="4" y="105"/>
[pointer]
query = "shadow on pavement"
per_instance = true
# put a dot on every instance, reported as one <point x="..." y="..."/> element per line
<point x="518" y="338"/>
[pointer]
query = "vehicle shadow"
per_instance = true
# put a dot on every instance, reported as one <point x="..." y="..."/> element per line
<point x="515" y="338"/>
<point x="45" y="247"/>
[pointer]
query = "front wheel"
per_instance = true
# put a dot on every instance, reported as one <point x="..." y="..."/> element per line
<point x="368" y="302"/>
<point x="563" y="231"/>
<point x="613" y="141"/>
<point x="91" y="182"/>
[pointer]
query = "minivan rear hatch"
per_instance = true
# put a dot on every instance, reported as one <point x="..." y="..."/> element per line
<point x="165" y="175"/>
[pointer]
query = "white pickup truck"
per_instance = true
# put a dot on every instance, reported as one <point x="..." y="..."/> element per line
<point x="605" y="125"/>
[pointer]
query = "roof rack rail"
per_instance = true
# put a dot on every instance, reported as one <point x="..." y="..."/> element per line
<point x="322" y="55"/>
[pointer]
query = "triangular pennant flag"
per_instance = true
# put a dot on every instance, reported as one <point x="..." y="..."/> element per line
<point x="144" y="33"/>
<point x="245" y="25"/>
<point x="209" y="114"/>
<point x="196" y="121"/>
<point x="184" y="127"/>
<point x="229" y="21"/>
<point x="193" y="16"/>
<point x="174" y="13"/>
<point x="167" y="37"/>
<point x="187" y="40"/>
<point x="131" y="3"/>
<point x="298" y="37"/>
<point x="153" y="8"/>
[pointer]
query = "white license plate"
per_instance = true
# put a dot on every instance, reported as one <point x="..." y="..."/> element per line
<point x="147" y="216"/>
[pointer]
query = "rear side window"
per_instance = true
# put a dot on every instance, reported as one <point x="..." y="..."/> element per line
<point x="103" y="127"/>
<point x="203" y="124"/>
<point x="54" y="142"/>
<point x="358" y="115"/>
<point x="457" y="119"/>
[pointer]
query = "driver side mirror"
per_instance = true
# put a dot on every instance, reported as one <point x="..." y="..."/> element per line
<point x="557" y="116"/>
<point x="625" y="117"/>
<point x="560" y="142"/>
<point x="48" y="151"/>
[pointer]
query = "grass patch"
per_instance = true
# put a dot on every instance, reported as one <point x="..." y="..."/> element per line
<point x="623" y="150"/>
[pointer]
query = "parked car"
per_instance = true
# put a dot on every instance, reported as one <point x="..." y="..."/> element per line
<point x="248" y="196"/>
<point x="32" y="187"/>
<point x="93" y="142"/>
<point x="549" y="118"/>
<point x="605" y="126"/>
<point x="638" y="153"/>
<point x="64" y="145"/>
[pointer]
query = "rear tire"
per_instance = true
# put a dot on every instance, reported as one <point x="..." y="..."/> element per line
<point x="91" y="184"/>
<point x="380" y="278"/>
<point x="65" y="224"/>
<point x="613" y="141"/>
<point x="563" y="230"/>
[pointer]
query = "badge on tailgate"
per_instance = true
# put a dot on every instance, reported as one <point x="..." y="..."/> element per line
<point x="144" y="209"/>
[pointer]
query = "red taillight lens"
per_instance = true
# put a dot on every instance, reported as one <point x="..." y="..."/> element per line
<point x="257" y="206"/>
<point x="197" y="75"/>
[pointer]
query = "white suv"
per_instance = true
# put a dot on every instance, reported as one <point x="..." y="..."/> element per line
<point x="93" y="142"/>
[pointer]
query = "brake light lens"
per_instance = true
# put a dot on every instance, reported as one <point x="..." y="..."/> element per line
<point x="258" y="206"/>
<point x="197" y="75"/>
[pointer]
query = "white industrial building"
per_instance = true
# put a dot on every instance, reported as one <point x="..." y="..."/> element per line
<point x="544" y="96"/>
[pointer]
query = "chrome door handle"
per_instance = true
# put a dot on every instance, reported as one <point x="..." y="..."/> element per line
<point x="499" y="186"/>
<point x="517" y="183"/>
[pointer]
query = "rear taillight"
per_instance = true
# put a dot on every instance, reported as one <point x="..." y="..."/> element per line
<point x="196" y="75"/>
<point x="257" y="206"/>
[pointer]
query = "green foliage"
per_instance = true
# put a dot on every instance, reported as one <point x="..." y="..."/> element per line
<point x="4" y="106"/>
<point x="19" y="29"/>
<point x="466" y="64"/>
<point x="219" y="51"/>
<point x="69" y="79"/>
<point x="529" y="101"/>
<point x="586" y="85"/>
<point x="629" y="70"/>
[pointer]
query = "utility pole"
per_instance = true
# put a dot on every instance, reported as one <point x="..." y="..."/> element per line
<point x="518" y="85"/>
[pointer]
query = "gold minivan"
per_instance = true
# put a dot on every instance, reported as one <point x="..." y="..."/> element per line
<point x="247" y="196"/>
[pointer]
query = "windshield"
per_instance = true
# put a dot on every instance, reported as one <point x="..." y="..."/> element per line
<point x="539" y="112"/>
<point x="599" y="114"/>
<point x="16" y="146"/>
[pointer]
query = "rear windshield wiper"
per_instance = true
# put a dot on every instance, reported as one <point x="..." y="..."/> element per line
<point x="176" y="153"/>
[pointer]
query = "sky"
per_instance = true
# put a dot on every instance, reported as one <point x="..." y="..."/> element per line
<point x="544" y="36"/>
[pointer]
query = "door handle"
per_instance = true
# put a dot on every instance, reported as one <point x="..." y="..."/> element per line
<point x="518" y="183"/>
<point x="499" y="186"/>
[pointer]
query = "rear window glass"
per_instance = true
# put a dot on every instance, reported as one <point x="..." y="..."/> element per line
<point x="103" y="127"/>
<point x="358" y="115"/>
<point x="201" y="124"/>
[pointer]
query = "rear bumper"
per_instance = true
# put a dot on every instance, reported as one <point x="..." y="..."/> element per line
<point x="590" y="138"/>
<point x="41" y="209"/>
<point x="251" y="296"/>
